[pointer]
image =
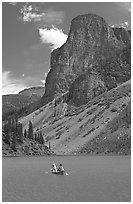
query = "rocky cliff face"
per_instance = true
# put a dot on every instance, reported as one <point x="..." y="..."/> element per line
<point x="95" y="58"/>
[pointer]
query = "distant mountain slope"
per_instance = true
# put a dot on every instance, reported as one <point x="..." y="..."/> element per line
<point x="105" y="120"/>
<point x="34" y="93"/>
<point x="13" y="102"/>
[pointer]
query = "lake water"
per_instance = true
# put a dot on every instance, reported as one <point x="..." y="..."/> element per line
<point x="90" y="178"/>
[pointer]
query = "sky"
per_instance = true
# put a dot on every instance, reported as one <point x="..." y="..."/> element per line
<point x="31" y="31"/>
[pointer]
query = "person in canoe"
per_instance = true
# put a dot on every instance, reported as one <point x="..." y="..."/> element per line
<point x="60" y="168"/>
<point x="54" y="168"/>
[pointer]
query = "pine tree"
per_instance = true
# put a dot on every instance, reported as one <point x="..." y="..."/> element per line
<point x="9" y="124"/>
<point x="49" y="146"/>
<point x="7" y="133"/>
<point x="20" y="133"/>
<point x="38" y="137"/>
<point x="41" y="140"/>
<point x="14" y="142"/>
<point x="30" y="131"/>
<point x="7" y="138"/>
<point x="12" y="125"/>
<point x="35" y="136"/>
<point x="16" y="126"/>
<point x="25" y="133"/>
<point x="3" y="126"/>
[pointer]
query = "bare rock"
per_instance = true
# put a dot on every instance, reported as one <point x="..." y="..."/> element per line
<point x="90" y="62"/>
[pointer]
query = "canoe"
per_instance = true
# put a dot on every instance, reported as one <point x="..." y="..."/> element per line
<point x="58" y="172"/>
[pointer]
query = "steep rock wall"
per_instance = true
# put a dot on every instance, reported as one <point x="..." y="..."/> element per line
<point x="91" y="53"/>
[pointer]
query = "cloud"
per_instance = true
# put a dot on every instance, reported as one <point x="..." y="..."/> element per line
<point x="10" y="85"/>
<point x="46" y="22"/>
<point x="13" y="3"/>
<point x="45" y="76"/>
<point x="53" y="36"/>
<point x="43" y="81"/>
<point x="52" y="18"/>
<point x="124" y="5"/>
<point x="124" y="24"/>
<point x="32" y="13"/>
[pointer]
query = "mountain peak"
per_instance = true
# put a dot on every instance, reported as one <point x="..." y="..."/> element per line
<point x="90" y="48"/>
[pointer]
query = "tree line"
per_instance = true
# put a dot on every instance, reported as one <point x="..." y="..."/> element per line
<point x="33" y="136"/>
<point x="13" y="133"/>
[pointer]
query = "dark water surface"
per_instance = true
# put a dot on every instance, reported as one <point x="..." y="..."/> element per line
<point x="91" y="178"/>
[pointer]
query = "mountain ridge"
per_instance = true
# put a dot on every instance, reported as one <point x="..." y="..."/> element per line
<point x="14" y="102"/>
<point x="92" y="45"/>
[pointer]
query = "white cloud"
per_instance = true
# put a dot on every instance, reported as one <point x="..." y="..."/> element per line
<point x="52" y="17"/>
<point x="29" y="12"/>
<point x="53" y="36"/>
<point x="45" y="21"/>
<point x="9" y="85"/>
<point x="13" y="3"/>
<point x="125" y="5"/>
<point x="44" y="80"/>
<point x="125" y="25"/>
<point x="31" y="16"/>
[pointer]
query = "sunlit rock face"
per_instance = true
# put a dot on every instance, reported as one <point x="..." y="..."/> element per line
<point x="95" y="58"/>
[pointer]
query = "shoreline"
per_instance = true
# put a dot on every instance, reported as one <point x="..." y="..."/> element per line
<point x="72" y="155"/>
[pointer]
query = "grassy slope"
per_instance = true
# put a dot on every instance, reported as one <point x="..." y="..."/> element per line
<point x="73" y="132"/>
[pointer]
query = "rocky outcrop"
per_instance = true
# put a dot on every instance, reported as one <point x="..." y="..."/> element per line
<point x="95" y="58"/>
<point x="86" y="87"/>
